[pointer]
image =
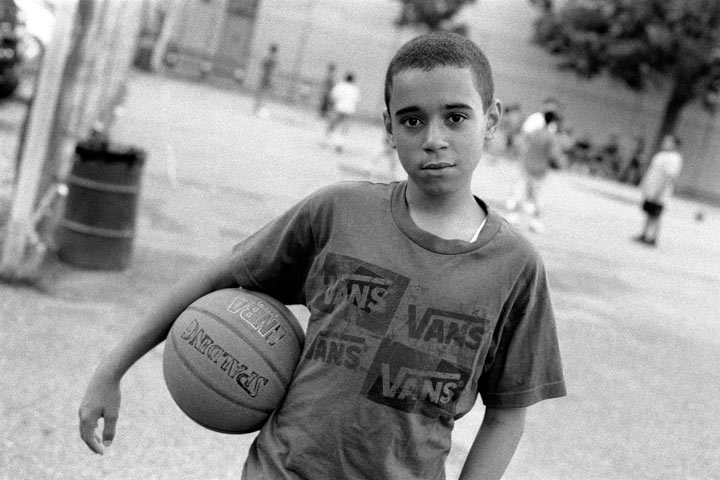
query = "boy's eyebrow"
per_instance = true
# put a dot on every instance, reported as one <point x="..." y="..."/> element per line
<point x="449" y="106"/>
<point x="405" y="110"/>
<point x="458" y="106"/>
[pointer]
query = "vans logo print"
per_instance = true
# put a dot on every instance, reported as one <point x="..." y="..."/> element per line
<point x="362" y="289"/>
<point x="446" y="328"/>
<point x="336" y="349"/>
<point x="413" y="381"/>
<point x="371" y="293"/>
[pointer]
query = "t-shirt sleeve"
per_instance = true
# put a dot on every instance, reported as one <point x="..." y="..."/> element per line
<point x="523" y="365"/>
<point x="275" y="260"/>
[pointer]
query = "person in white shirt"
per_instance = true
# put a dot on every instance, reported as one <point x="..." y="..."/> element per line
<point x="345" y="97"/>
<point x="657" y="187"/>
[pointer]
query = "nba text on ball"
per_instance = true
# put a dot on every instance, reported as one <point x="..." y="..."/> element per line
<point x="259" y="317"/>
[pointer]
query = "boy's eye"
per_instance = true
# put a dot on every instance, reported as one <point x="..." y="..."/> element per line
<point x="456" y="118"/>
<point x="411" y="122"/>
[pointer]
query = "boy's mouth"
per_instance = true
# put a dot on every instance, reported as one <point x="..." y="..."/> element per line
<point x="437" y="166"/>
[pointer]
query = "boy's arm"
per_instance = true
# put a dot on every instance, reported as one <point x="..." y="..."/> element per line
<point x="102" y="396"/>
<point x="494" y="444"/>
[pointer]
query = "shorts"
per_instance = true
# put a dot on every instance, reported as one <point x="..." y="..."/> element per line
<point x="653" y="209"/>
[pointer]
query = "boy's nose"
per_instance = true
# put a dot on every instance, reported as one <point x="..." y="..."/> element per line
<point x="434" y="137"/>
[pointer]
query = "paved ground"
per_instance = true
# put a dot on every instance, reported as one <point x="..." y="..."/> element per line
<point x="638" y="327"/>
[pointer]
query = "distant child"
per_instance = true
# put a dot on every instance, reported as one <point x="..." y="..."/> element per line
<point x="267" y="71"/>
<point x="344" y="98"/>
<point x="426" y="296"/>
<point x="657" y="187"/>
<point x="510" y="127"/>
<point x="326" y="89"/>
<point x="540" y="149"/>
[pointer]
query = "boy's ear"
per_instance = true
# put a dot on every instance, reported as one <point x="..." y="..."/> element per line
<point x="387" y="121"/>
<point x="494" y="113"/>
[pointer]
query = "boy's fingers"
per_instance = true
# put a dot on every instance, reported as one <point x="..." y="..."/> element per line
<point x="109" y="430"/>
<point x="87" y="432"/>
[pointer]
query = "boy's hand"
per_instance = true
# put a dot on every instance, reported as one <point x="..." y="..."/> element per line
<point x="102" y="399"/>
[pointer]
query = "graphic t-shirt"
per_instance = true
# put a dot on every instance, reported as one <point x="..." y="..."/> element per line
<point x="405" y="330"/>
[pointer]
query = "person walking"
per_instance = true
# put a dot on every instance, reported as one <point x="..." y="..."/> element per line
<point x="327" y="87"/>
<point x="345" y="97"/>
<point x="510" y="127"/>
<point x="267" y="71"/>
<point x="657" y="187"/>
<point x="540" y="149"/>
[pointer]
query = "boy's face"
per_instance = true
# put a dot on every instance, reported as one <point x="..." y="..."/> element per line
<point x="437" y="122"/>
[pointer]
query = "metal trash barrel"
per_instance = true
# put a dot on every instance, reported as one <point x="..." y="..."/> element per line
<point x="98" y="224"/>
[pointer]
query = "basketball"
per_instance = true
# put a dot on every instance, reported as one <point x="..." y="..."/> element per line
<point x="229" y="358"/>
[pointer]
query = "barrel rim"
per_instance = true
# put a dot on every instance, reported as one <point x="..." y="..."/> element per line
<point x="88" y="151"/>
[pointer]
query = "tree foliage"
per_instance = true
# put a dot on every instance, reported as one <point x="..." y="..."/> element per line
<point x="639" y="42"/>
<point x="433" y="15"/>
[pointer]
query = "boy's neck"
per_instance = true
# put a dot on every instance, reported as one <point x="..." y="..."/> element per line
<point x="454" y="216"/>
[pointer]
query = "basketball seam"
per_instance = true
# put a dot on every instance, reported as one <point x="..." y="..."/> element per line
<point x="209" y="385"/>
<point x="248" y="342"/>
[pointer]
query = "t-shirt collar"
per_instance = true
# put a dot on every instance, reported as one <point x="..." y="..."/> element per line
<point x="429" y="241"/>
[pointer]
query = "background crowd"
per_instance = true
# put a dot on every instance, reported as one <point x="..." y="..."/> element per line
<point x="614" y="156"/>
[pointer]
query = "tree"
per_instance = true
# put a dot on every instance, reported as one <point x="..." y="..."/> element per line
<point x="433" y="15"/>
<point x="640" y="42"/>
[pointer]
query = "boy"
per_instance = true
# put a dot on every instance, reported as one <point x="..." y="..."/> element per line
<point x="425" y="296"/>
<point x="657" y="187"/>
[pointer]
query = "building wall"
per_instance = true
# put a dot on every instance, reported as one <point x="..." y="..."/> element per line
<point x="357" y="35"/>
<point x="211" y="34"/>
<point x="199" y="29"/>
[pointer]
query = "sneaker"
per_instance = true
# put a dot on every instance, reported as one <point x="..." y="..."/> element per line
<point x="650" y="242"/>
<point x="639" y="239"/>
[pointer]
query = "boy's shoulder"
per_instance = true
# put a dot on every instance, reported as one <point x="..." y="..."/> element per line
<point x="349" y="191"/>
<point x="347" y="203"/>
<point x="511" y="243"/>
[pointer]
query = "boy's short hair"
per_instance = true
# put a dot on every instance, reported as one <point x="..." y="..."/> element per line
<point x="442" y="49"/>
